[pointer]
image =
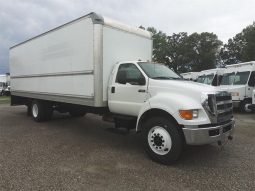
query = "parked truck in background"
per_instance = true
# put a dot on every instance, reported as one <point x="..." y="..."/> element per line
<point x="252" y="106"/>
<point x="239" y="80"/>
<point x="96" y="65"/>
<point x="210" y="77"/>
<point x="4" y="84"/>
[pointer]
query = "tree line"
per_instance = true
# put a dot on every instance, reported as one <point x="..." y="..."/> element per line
<point x="201" y="51"/>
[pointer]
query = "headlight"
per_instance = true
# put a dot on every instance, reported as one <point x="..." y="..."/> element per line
<point x="235" y="93"/>
<point x="189" y="114"/>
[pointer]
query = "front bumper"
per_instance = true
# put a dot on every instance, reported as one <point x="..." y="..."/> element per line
<point x="195" y="135"/>
<point x="252" y="107"/>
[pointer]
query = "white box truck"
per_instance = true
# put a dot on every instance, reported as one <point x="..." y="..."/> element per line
<point x="93" y="65"/>
<point x="239" y="80"/>
<point x="211" y="77"/>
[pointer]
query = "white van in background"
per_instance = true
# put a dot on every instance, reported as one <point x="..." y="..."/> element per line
<point x="211" y="77"/>
<point x="190" y="76"/>
<point x="239" y="80"/>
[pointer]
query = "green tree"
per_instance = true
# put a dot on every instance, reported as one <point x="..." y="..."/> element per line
<point x="203" y="50"/>
<point x="159" y="45"/>
<point x="193" y="52"/>
<point x="240" y="48"/>
<point x="177" y="52"/>
<point x="183" y="53"/>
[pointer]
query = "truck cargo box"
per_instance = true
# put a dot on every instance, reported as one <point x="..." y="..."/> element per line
<point x="72" y="63"/>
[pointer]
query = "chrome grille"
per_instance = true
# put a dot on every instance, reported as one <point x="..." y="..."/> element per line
<point x="224" y="106"/>
<point x="219" y="107"/>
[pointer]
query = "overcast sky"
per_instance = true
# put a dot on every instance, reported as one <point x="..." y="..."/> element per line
<point x="23" y="19"/>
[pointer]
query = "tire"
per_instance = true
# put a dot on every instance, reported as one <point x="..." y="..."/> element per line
<point x="29" y="109"/>
<point x="244" y="106"/>
<point x="41" y="110"/>
<point x="77" y="113"/>
<point x="162" y="140"/>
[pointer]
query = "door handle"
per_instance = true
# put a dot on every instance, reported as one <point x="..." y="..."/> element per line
<point x="113" y="89"/>
<point x="141" y="91"/>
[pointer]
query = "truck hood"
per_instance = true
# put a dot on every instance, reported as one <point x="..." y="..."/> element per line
<point x="183" y="87"/>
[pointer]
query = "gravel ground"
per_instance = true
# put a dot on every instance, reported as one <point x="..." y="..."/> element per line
<point x="88" y="154"/>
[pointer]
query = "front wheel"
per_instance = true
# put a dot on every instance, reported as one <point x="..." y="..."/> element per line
<point x="162" y="140"/>
<point x="244" y="106"/>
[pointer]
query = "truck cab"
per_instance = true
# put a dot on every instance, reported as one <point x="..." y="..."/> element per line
<point x="210" y="77"/>
<point x="169" y="109"/>
<point x="239" y="80"/>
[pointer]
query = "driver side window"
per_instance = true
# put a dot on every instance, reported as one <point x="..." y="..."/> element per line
<point x="129" y="73"/>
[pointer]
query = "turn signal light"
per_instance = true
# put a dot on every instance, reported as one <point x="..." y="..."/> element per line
<point x="186" y="114"/>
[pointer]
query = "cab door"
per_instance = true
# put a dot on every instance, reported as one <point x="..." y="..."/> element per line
<point x="128" y="90"/>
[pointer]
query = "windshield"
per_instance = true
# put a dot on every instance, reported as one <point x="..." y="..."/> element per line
<point x="228" y="78"/>
<point x="241" y="78"/>
<point x="201" y="79"/>
<point x="158" y="71"/>
<point x="208" y="79"/>
<point x="205" y="79"/>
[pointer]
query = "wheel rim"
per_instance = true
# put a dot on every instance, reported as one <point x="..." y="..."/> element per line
<point x="159" y="140"/>
<point x="35" y="110"/>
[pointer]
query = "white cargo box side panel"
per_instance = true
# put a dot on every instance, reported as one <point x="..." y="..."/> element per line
<point x="120" y="46"/>
<point x="58" y="63"/>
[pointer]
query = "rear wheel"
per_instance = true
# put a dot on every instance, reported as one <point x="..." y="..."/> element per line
<point x="162" y="140"/>
<point x="41" y="110"/>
